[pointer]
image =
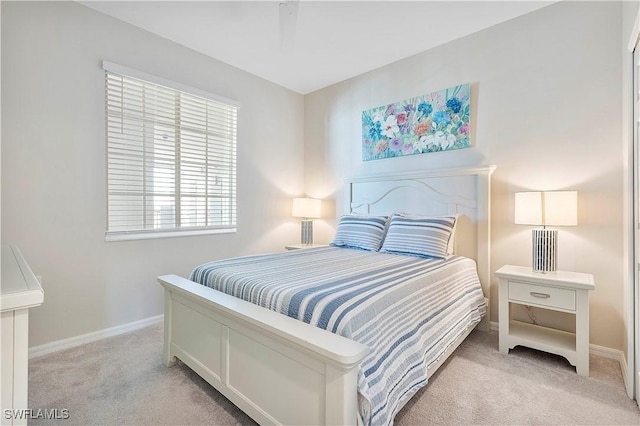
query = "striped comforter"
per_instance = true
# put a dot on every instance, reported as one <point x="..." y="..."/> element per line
<point x="406" y="309"/>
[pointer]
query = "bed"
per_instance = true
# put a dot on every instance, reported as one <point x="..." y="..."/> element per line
<point x="283" y="369"/>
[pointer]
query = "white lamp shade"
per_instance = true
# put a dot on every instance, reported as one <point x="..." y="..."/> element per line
<point x="306" y="207"/>
<point x="529" y="208"/>
<point x="561" y="208"/>
<point x="555" y="208"/>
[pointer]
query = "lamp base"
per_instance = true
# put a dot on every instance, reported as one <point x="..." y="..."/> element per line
<point x="545" y="253"/>
<point x="306" y="235"/>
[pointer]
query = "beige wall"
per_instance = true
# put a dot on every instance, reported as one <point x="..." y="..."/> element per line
<point x="53" y="165"/>
<point x="546" y="91"/>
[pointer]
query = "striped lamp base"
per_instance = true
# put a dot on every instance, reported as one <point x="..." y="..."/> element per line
<point x="545" y="253"/>
<point x="307" y="232"/>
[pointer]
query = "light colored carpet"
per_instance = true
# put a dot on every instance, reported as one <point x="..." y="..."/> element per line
<point x="122" y="380"/>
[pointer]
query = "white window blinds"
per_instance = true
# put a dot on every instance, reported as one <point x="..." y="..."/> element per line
<point x="171" y="158"/>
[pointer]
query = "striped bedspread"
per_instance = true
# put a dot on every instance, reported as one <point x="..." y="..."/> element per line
<point x="406" y="309"/>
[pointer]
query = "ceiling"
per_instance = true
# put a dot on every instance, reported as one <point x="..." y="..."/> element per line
<point x="307" y="45"/>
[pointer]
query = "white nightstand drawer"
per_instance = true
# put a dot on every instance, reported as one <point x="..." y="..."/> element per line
<point x="561" y="298"/>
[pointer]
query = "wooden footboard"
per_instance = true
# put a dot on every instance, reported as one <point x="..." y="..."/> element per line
<point x="276" y="369"/>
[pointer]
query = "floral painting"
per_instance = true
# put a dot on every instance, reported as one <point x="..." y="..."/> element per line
<point x="435" y="122"/>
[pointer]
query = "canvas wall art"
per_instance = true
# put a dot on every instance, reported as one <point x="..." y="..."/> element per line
<point x="435" y="122"/>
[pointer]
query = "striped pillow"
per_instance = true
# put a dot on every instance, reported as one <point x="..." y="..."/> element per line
<point x="419" y="236"/>
<point x="361" y="232"/>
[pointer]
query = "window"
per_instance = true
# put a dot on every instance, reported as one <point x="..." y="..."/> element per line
<point x="171" y="158"/>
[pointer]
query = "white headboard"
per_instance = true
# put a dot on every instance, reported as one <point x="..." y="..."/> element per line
<point x="465" y="191"/>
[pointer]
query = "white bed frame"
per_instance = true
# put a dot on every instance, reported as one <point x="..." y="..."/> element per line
<point x="280" y="370"/>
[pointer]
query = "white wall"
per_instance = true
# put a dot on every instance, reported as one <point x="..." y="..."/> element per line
<point x="546" y="91"/>
<point x="53" y="165"/>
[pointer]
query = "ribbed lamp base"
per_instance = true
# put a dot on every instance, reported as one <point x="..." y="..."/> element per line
<point x="307" y="232"/>
<point x="545" y="253"/>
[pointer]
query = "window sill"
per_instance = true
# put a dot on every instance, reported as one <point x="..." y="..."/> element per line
<point x="129" y="236"/>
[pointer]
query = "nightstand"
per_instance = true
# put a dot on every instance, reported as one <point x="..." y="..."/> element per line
<point x="558" y="291"/>
<point x="303" y="246"/>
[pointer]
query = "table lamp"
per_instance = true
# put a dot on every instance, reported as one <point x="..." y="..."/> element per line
<point x="549" y="208"/>
<point x="307" y="209"/>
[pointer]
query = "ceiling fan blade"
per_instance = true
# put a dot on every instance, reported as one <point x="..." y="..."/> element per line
<point x="288" y="18"/>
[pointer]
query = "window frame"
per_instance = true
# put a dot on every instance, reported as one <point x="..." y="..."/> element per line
<point x="138" y="234"/>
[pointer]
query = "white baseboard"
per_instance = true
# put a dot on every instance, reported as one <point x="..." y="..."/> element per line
<point x="72" y="342"/>
<point x="602" y="351"/>
<point x="614" y="354"/>
<point x="606" y="352"/>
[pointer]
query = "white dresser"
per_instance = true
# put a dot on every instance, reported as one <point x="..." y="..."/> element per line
<point x="19" y="291"/>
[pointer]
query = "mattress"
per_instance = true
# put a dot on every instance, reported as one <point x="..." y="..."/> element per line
<point x="407" y="310"/>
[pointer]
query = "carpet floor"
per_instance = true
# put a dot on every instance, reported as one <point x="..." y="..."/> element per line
<point x="122" y="381"/>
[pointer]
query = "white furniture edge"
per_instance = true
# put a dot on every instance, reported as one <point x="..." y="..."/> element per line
<point x="32" y="296"/>
<point x="563" y="279"/>
<point x="20" y="291"/>
<point x="303" y="246"/>
<point x="260" y="359"/>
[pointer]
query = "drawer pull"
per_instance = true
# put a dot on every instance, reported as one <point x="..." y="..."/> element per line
<point x="540" y="295"/>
